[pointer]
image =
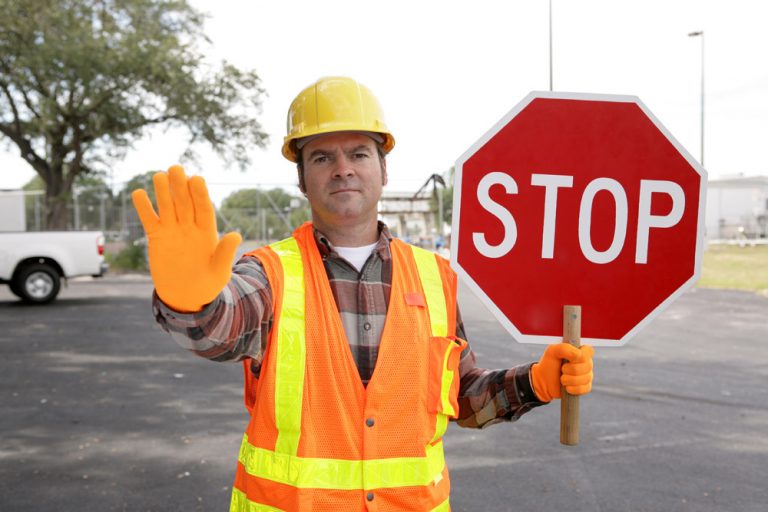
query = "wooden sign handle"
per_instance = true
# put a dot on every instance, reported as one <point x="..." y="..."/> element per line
<point x="569" y="404"/>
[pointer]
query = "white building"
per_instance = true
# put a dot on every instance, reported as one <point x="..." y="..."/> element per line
<point x="409" y="217"/>
<point x="737" y="207"/>
<point x="12" y="212"/>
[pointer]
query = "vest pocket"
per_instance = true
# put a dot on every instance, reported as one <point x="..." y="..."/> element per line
<point x="444" y="356"/>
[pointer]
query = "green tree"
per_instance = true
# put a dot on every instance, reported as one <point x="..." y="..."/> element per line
<point x="144" y="181"/>
<point x="130" y="225"/>
<point x="82" y="80"/>
<point x="259" y="214"/>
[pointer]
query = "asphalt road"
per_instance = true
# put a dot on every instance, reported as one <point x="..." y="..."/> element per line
<point x="102" y="411"/>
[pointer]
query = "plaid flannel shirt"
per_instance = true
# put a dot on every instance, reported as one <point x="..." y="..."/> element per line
<point x="237" y="323"/>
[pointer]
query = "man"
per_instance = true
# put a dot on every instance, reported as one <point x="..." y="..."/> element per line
<point x="351" y="340"/>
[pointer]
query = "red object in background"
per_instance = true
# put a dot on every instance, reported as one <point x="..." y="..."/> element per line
<point x="576" y="199"/>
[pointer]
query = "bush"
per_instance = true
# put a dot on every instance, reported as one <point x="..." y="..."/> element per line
<point x="132" y="258"/>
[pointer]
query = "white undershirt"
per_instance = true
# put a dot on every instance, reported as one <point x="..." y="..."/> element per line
<point x="357" y="256"/>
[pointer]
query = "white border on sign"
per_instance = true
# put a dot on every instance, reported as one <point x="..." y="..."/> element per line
<point x="478" y="291"/>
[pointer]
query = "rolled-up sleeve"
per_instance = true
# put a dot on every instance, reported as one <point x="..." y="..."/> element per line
<point x="487" y="397"/>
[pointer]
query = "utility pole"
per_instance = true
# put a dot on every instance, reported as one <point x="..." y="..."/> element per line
<point x="697" y="34"/>
<point x="550" y="45"/>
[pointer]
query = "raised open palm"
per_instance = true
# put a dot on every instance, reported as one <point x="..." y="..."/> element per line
<point x="189" y="264"/>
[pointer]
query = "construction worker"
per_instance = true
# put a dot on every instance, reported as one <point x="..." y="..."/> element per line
<point x="351" y="340"/>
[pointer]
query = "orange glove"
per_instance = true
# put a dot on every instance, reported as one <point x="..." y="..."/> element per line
<point x="188" y="263"/>
<point x="551" y="372"/>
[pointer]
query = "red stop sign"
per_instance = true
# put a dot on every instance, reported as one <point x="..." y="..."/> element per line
<point x="575" y="199"/>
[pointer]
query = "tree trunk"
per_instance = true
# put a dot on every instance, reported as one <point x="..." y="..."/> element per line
<point x="57" y="217"/>
<point x="57" y="192"/>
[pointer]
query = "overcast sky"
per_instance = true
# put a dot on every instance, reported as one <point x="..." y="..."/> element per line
<point x="447" y="71"/>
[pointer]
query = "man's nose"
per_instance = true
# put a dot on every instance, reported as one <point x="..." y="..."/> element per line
<point x="344" y="167"/>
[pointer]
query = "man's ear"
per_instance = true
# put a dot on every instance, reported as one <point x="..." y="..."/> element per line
<point x="302" y="186"/>
<point x="383" y="172"/>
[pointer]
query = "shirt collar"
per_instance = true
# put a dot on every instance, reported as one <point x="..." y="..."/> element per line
<point x="327" y="249"/>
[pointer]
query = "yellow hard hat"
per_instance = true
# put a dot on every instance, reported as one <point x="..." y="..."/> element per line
<point x="334" y="104"/>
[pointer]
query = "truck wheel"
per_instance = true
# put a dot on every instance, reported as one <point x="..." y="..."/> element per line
<point x="37" y="283"/>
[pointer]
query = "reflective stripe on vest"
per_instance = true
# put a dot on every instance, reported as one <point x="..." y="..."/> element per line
<point x="429" y="275"/>
<point x="291" y="349"/>
<point x="312" y="473"/>
<point x="241" y="503"/>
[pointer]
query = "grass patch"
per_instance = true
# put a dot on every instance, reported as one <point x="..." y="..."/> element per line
<point x="734" y="267"/>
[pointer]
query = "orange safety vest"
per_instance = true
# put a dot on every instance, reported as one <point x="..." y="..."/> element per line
<point x="318" y="440"/>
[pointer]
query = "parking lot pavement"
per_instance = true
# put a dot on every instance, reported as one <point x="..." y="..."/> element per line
<point x="102" y="411"/>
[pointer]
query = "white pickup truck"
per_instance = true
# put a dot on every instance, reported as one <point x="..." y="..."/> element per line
<point x="33" y="263"/>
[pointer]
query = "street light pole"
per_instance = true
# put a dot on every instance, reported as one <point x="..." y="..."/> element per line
<point x="697" y="34"/>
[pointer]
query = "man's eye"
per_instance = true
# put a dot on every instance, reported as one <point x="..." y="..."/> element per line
<point x="320" y="159"/>
<point x="359" y="156"/>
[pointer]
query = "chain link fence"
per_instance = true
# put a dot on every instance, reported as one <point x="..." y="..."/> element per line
<point x="98" y="209"/>
<point x="271" y="216"/>
<point x="259" y="214"/>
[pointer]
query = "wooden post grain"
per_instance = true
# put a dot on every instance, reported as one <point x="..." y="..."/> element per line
<point x="569" y="404"/>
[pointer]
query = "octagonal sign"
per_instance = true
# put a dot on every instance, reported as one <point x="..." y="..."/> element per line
<point x="578" y="199"/>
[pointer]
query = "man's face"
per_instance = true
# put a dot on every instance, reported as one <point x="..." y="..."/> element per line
<point x="343" y="178"/>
